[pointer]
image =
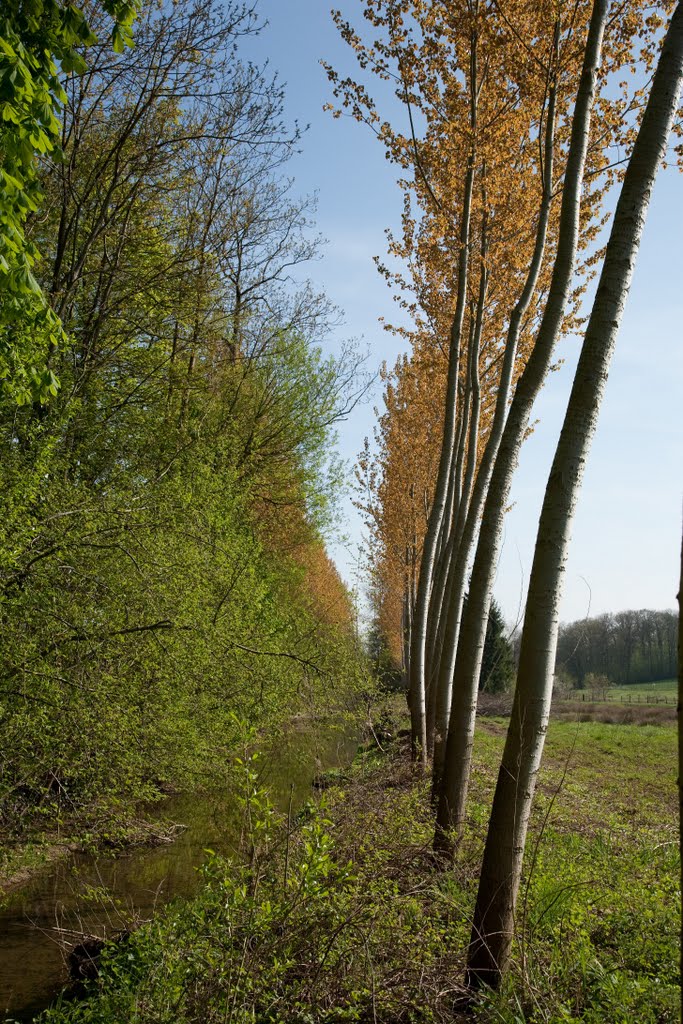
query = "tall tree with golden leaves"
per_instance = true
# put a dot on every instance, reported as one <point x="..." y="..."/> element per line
<point x="502" y="867"/>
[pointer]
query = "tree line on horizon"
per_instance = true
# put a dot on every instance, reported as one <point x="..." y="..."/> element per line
<point x="625" y="647"/>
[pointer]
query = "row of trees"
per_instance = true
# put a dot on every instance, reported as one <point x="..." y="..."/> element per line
<point x="162" y="566"/>
<point x="511" y="126"/>
<point x="628" y="647"/>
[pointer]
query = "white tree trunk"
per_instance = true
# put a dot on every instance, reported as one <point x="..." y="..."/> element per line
<point x="466" y="530"/>
<point x="418" y="681"/>
<point x="458" y="756"/>
<point x="501" y="872"/>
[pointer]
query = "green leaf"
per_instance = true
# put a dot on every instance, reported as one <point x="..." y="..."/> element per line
<point x="117" y="40"/>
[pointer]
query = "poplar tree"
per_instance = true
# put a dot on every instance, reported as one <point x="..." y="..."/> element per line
<point x="493" y="924"/>
<point x="469" y="254"/>
<point x="453" y="786"/>
<point x="485" y="158"/>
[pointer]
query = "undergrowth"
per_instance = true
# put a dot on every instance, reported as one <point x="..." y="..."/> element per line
<point x="340" y="914"/>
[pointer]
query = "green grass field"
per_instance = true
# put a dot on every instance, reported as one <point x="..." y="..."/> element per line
<point x="661" y="688"/>
<point x="664" y="690"/>
<point x="598" y="928"/>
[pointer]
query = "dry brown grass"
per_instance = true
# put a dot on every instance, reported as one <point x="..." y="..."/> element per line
<point x="614" y="714"/>
<point x="568" y="710"/>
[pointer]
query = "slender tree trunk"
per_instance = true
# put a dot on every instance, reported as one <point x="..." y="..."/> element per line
<point x="440" y="592"/>
<point x="405" y="629"/>
<point x="458" y="756"/>
<point x="469" y="437"/>
<point x="453" y="588"/>
<point x="456" y="584"/>
<point x="501" y="872"/>
<point x="443" y="561"/>
<point x="455" y="479"/>
<point x="474" y="388"/>
<point x="418" y="652"/>
<point x="418" y="680"/>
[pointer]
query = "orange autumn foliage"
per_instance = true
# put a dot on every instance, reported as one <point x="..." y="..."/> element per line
<point x="422" y="53"/>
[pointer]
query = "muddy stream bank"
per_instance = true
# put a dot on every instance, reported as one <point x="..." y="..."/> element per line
<point x="59" y="899"/>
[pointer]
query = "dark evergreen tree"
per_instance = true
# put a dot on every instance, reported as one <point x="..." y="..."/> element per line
<point x="498" y="664"/>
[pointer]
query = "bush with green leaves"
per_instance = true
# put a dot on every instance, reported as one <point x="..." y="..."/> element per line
<point x="135" y="629"/>
<point x="291" y="930"/>
<point x="41" y="42"/>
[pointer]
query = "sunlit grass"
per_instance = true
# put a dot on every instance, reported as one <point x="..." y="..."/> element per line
<point x="661" y="688"/>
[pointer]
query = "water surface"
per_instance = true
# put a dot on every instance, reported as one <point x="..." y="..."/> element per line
<point x="58" y="900"/>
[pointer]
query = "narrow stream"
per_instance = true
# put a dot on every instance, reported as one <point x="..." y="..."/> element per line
<point x="34" y="922"/>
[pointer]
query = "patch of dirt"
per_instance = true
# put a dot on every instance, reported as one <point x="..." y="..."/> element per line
<point x="613" y="713"/>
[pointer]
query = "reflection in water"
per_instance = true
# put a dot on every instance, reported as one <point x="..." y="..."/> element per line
<point x="31" y="954"/>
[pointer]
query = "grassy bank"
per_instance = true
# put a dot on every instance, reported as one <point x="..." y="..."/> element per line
<point x="342" y="915"/>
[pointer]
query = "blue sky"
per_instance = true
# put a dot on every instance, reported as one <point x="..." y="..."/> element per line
<point x="626" y="541"/>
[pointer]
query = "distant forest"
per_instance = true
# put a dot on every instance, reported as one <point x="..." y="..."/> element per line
<point x="628" y="647"/>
